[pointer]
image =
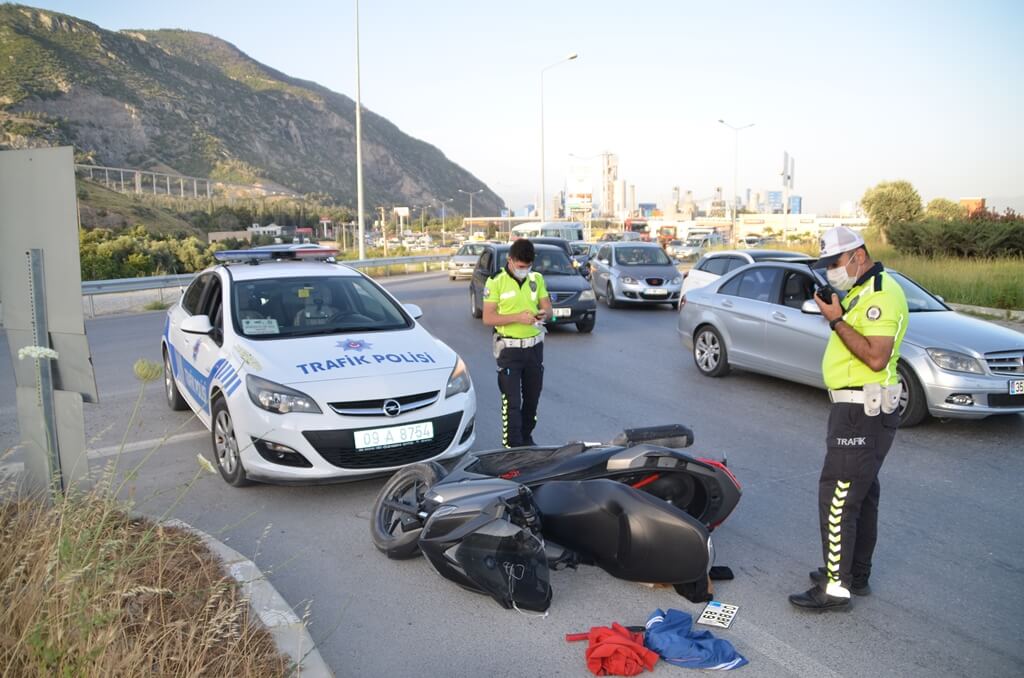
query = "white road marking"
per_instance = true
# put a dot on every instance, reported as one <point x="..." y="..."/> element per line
<point x="112" y="450"/>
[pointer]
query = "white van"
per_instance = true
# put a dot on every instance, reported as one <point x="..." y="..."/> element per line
<point x="569" y="230"/>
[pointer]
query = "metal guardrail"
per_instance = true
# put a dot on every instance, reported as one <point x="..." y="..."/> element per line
<point x="156" y="282"/>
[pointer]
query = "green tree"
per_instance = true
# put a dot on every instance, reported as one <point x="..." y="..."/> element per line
<point x="889" y="203"/>
<point x="945" y="210"/>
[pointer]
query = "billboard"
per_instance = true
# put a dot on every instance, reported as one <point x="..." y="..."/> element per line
<point x="579" y="190"/>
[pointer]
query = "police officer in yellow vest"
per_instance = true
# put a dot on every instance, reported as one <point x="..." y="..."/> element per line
<point x="859" y="367"/>
<point x="516" y="304"/>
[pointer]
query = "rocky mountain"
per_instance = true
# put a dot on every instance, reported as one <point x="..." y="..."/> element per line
<point x="199" y="106"/>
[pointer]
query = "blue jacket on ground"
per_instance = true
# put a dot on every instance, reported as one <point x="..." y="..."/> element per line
<point x="671" y="635"/>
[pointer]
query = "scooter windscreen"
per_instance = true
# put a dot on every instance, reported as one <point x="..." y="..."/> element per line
<point x="498" y="558"/>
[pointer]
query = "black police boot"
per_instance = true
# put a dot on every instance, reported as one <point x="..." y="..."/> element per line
<point x="860" y="585"/>
<point x="816" y="599"/>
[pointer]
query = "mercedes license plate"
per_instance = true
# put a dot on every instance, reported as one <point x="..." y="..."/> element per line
<point x="394" y="436"/>
<point x="1017" y="387"/>
<point x="562" y="312"/>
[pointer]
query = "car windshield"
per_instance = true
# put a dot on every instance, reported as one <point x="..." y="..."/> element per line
<point x="694" y="242"/>
<point x="550" y="262"/>
<point x="296" y="307"/>
<point x="580" y="248"/>
<point x="470" y="250"/>
<point x="919" y="300"/>
<point x="641" y="256"/>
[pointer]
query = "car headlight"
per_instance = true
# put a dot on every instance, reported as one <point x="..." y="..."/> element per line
<point x="955" y="361"/>
<point x="676" y="280"/>
<point x="458" y="380"/>
<point x="628" y="280"/>
<point x="278" y="398"/>
<point x="587" y="295"/>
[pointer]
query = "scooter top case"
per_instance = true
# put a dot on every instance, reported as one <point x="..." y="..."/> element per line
<point x="628" y="533"/>
<point x="645" y="458"/>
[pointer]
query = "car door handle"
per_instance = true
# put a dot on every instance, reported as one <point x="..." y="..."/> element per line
<point x="726" y="303"/>
<point x="781" y="317"/>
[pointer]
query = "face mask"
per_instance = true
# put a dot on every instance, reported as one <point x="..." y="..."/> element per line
<point x="520" y="273"/>
<point x="841" y="279"/>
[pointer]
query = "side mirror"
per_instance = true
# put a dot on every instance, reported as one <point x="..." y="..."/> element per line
<point x="809" y="306"/>
<point x="197" y="324"/>
<point x="413" y="310"/>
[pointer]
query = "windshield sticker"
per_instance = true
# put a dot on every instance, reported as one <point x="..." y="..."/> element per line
<point x="354" y="344"/>
<point x="357" y="360"/>
<point x="260" y="326"/>
<point x="303" y="292"/>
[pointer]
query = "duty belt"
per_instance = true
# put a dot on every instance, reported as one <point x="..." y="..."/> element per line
<point x="522" y="343"/>
<point x="846" y="395"/>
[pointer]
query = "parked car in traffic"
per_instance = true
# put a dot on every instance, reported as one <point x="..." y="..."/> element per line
<point x="714" y="265"/>
<point x="697" y="245"/>
<point x="635" y="273"/>
<point x="305" y="370"/>
<point x="462" y="263"/>
<point x="572" y="300"/>
<point x="674" y="248"/>
<point x="761" y="317"/>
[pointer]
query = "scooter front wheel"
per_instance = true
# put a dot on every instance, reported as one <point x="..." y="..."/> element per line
<point x="396" y="522"/>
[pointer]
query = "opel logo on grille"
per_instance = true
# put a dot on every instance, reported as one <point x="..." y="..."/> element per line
<point x="392" y="408"/>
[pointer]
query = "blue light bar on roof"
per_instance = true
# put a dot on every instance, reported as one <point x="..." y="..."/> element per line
<point x="241" y="255"/>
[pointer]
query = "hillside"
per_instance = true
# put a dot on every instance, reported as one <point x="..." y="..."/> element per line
<point x="197" y="104"/>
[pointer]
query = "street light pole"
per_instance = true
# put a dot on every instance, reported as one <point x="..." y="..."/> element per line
<point x="359" y="150"/>
<point x="443" y="205"/>
<point x="735" y="169"/>
<point x="543" y="198"/>
<point x="471" y="194"/>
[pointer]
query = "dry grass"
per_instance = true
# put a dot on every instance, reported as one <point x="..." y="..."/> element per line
<point x="88" y="590"/>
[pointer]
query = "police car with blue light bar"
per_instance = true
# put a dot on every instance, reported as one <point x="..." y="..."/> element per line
<point x="306" y="370"/>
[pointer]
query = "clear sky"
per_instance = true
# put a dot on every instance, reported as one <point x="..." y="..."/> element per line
<point x="857" y="92"/>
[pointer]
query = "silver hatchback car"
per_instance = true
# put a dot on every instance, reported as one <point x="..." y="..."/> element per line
<point x="635" y="272"/>
<point x="761" y="317"/>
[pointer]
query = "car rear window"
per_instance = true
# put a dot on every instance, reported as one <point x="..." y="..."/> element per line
<point x="714" y="265"/>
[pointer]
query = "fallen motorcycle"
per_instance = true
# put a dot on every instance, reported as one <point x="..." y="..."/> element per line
<point x="638" y="507"/>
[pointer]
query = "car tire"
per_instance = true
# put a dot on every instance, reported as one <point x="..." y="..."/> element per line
<point x="913" y="407"/>
<point x="609" y="296"/>
<point x="586" y="326"/>
<point x="709" y="352"/>
<point x="407" y="486"/>
<point x="225" y="445"/>
<point x="174" y="398"/>
<point x="473" y="310"/>
<point x="674" y="305"/>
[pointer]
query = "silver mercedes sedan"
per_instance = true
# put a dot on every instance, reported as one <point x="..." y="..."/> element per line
<point x="761" y="317"/>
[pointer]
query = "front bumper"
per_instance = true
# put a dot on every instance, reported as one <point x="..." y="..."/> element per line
<point x="956" y="395"/>
<point x="579" y="310"/>
<point x="460" y="270"/>
<point x="649" y="294"/>
<point x="325" y="441"/>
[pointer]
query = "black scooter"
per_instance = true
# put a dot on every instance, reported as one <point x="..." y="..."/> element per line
<point x="638" y="507"/>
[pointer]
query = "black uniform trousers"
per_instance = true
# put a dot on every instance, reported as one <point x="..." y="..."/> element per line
<point x="848" y="489"/>
<point x="520" y="378"/>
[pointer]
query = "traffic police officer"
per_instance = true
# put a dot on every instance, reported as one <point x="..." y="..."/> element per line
<point x="859" y="367"/>
<point x="516" y="304"/>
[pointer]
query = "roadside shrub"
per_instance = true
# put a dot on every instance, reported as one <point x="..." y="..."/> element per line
<point x="985" y="234"/>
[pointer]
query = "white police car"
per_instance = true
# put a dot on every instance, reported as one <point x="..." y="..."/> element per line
<point x="305" y="370"/>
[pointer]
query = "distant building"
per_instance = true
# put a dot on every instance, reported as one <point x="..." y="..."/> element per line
<point x="609" y="183"/>
<point x="773" y="200"/>
<point x="973" y="205"/>
<point x="647" y="209"/>
<point x="795" y="204"/>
